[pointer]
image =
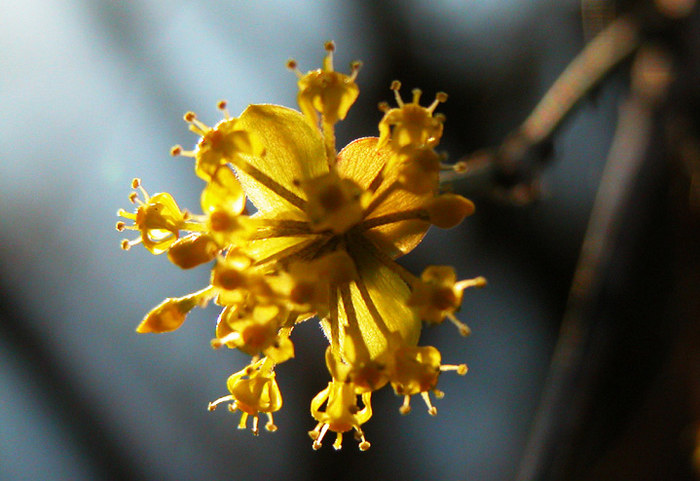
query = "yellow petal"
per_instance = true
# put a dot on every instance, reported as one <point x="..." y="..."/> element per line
<point x="389" y="294"/>
<point x="294" y="151"/>
<point x="362" y="162"/>
<point x="223" y="192"/>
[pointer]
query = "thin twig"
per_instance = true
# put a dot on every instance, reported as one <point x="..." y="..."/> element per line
<point x="604" y="52"/>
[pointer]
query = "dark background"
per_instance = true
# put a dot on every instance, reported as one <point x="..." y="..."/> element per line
<point x="92" y="94"/>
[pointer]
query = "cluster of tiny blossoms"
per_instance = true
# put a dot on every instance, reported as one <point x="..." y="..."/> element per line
<point x="322" y="243"/>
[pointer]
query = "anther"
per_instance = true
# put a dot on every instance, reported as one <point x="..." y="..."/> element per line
<point x="432" y="410"/>
<point x="406" y="406"/>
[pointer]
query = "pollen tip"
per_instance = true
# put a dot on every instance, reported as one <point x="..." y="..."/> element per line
<point x="462" y="369"/>
<point x="135" y="183"/>
<point x="132" y="197"/>
<point x="211" y="407"/>
<point x="432" y="411"/>
<point x="355" y="65"/>
<point x="120" y="226"/>
<point x="316" y="445"/>
<point x="291" y="64"/>
<point x="125" y="244"/>
<point x="189" y="116"/>
<point x="216" y="343"/>
<point x="313" y="434"/>
<point x="176" y="150"/>
<point x="383" y="106"/>
<point x="329" y="46"/>
<point x="405" y="410"/>
<point x="221" y="105"/>
<point x="395" y="85"/>
<point x="464" y="331"/>
<point x="271" y="427"/>
<point x="441" y="97"/>
<point x="364" y="446"/>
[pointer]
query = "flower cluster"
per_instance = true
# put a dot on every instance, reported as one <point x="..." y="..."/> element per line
<point x="322" y="243"/>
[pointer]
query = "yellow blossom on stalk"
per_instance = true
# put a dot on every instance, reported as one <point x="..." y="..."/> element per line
<point x="322" y="242"/>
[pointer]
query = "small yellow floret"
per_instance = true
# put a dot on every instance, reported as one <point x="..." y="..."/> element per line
<point x="341" y="414"/>
<point x="448" y="210"/>
<point x="167" y="316"/>
<point x="410" y="124"/>
<point x="254" y="390"/>
<point x="438" y="295"/>
<point x="326" y="91"/>
<point x="157" y="218"/>
<point x="334" y="203"/>
<point x="218" y="145"/>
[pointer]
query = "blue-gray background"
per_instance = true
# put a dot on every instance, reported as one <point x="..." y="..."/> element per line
<point x="92" y="94"/>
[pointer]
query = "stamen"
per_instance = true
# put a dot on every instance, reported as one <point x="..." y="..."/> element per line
<point x="355" y="67"/>
<point x="395" y="86"/>
<point x="364" y="444"/>
<point x="406" y="406"/>
<point x="127" y="244"/>
<point x="313" y="434"/>
<point x="440" y="97"/>
<point x="212" y="405"/>
<point x="196" y="126"/>
<point x="338" y="444"/>
<point x="476" y="282"/>
<point x="270" y="426"/>
<point x="460" y="368"/>
<point x="221" y="105"/>
<point x="416" y="95"/>
<point x="463" y="328"/>
<point x="317" y="442"/>
<point x="292" y="65"/>
<point x="328" y="61"/>
<point x="432" y="410"/>
<point x="244" y="420"/>
<point x="255" y="429"/>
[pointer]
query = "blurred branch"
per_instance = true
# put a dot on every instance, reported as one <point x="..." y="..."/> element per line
<point x="564" y="397"/>
<point x="605" y="51"/>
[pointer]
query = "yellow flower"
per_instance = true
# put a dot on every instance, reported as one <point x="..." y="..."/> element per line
<point x="254" y="390"/>
<point x="322" y="242"/>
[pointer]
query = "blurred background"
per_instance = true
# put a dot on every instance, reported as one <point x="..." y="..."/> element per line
<point x="92" y="94"/>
